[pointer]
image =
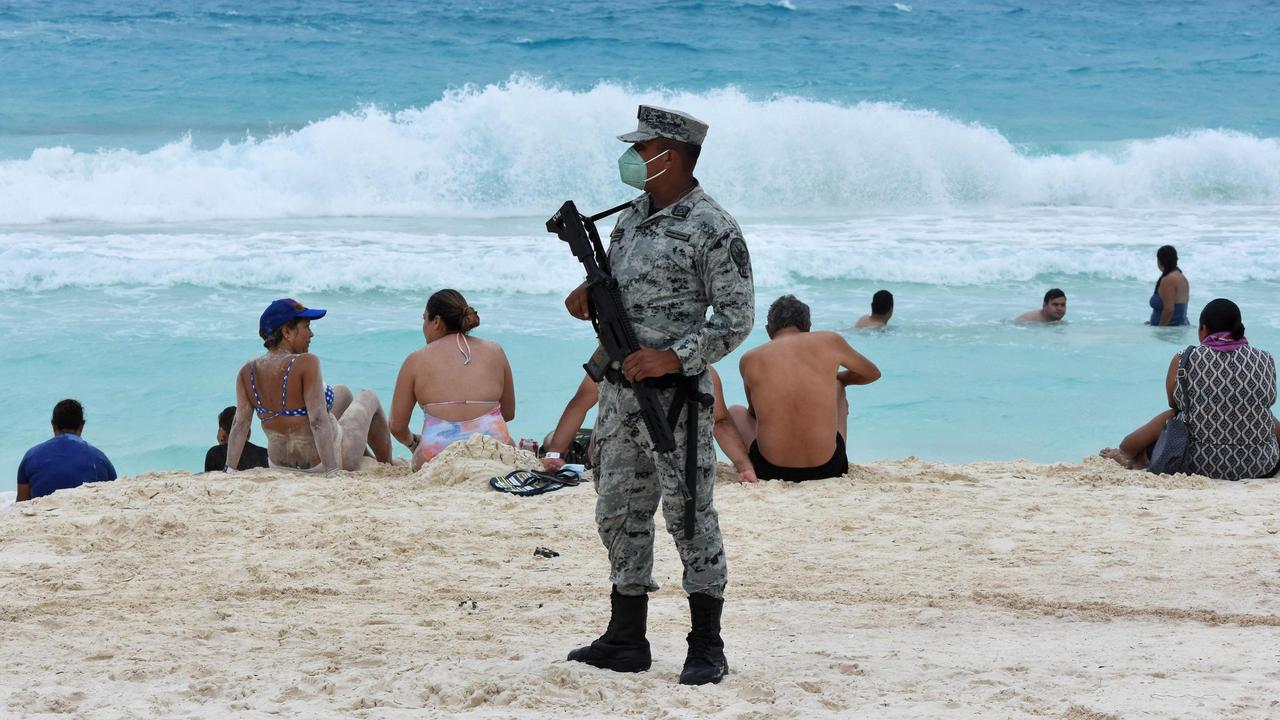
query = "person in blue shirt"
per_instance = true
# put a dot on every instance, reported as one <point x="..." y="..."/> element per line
<point x="66" y="461"/>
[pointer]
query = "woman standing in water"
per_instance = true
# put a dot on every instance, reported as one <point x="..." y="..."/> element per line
<point x="309" y="425"/>
<point x="1169" y="301"/>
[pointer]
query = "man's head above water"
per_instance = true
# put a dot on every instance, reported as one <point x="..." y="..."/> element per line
<point x="1055" y="305"/>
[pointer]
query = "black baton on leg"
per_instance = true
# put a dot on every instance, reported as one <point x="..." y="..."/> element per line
<point x="693" y="401"/>
<point x="691" y="466"/>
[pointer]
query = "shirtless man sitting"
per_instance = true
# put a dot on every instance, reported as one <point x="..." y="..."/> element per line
<point x="796" y="416"/>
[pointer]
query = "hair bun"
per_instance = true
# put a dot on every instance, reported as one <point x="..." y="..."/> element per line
<point x="470" y="318"/>
<point x="1237" y="332"/>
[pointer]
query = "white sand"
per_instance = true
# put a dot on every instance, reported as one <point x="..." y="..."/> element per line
<point x="907" y="590"/>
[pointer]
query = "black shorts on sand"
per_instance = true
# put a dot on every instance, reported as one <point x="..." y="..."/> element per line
<point x="835" y="467"/>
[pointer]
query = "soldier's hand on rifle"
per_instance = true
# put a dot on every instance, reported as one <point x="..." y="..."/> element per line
<point x="576" y="303"/>
<point x="647" y="363"/>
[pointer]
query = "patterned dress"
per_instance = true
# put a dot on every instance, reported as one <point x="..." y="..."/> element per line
<point x="1227" y="406"/>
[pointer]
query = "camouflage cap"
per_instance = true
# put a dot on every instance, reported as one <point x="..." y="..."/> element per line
<point x="656" y="122"/>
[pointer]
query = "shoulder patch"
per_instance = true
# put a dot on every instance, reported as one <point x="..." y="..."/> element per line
<point x="741" y="258"/>
<point x="681" y="211"/>
<point x="678" y="235"/>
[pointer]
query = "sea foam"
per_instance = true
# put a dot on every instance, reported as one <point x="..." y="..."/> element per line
<point x="522" y="147"/>
<point x="1225" y="244"/>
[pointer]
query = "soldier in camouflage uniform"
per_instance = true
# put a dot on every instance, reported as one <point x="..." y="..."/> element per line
<point x="675" y="252"/>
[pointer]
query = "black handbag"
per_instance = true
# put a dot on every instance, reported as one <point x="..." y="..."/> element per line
<point x="1172" y="452"/>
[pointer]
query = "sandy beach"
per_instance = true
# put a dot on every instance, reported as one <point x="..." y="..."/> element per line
<point x="907" y="589"/>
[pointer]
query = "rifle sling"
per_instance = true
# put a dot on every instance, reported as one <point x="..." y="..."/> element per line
<point x="687" y="397"/>
<point x="610" y="211"/>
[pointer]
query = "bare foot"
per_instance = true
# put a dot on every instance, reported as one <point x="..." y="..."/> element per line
<point x="1118" y="456"/>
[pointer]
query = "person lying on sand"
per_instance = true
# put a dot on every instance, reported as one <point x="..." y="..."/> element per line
<point x="309" y="425"/>
<point x="796" y="414"/>
<point x="1227" y="393"/>
<point x="1053" y="310"/>
<point x="588" y="393"/>
<point x="462" y="383"/>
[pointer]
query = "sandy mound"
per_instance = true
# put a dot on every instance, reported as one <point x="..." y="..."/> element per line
<point x="908" y="589"/>
<point x="476" y="459"/>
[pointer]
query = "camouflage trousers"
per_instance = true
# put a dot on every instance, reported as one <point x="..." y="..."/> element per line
<point x="631" y="479"/>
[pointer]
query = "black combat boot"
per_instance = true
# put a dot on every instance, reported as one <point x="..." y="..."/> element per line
<point x="705" y="662"/>
<point x="623" y="647"/>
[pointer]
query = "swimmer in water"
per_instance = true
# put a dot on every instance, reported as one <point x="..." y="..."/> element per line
<point x="881" y="311"/>
<point x="1053" y="310"/>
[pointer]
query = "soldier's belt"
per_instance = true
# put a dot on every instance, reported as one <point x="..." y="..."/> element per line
<point x="662" y="382"/>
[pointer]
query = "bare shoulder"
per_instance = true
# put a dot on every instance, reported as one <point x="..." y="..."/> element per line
<point x="416" y="356"/>
<point x="491" y="347"/>
<point x="488" y="343"/>
<point x="829" y="337"/>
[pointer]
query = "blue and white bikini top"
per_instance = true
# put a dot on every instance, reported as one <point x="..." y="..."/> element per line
<point x="265" y="414"/>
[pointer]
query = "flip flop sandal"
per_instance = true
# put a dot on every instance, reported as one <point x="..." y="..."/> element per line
<point x="566" y="478"/>
<point x="524" y="483"/>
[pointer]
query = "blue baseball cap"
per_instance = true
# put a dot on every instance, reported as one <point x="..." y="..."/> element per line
<point x="282" y="311"/>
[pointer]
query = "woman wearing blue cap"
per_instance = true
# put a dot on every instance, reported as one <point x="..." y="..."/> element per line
<point x="309" y="425"/>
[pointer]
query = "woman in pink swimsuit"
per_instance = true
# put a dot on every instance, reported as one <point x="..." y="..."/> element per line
<point x="463" y="384"/>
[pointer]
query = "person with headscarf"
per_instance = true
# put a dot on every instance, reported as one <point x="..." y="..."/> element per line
<point x="1223" y="389"/>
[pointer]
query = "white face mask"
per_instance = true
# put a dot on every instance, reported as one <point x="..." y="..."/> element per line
<point x="634" y="170"/>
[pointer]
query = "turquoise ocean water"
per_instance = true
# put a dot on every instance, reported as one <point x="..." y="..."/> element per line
<point x="166" y="169"/>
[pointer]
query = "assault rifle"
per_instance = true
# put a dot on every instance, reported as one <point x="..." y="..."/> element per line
<point x="609" y="317"/>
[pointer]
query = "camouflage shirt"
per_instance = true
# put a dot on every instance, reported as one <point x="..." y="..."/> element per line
<point x="673" y="265"/>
